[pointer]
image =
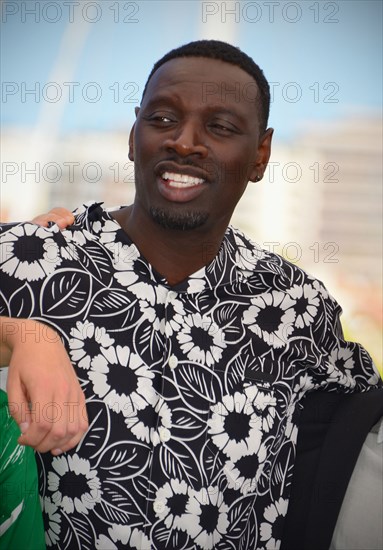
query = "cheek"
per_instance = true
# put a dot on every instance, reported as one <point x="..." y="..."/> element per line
<point x="150" y="152"/>
<point x="231" y="189"/>
<point x="235" y="171"/>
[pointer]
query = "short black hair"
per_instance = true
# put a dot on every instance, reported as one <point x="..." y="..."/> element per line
<point x="216" y="49"/>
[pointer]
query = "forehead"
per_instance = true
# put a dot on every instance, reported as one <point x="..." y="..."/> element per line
<point x="211" y="80"/>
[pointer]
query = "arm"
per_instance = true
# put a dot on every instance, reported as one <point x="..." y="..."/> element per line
<point x="344" y="366"/>
<point x="60" y="216"/>
<point x="45" y="397"/>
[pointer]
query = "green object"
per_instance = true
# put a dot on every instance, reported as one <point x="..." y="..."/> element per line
<point x="21" y="522"/>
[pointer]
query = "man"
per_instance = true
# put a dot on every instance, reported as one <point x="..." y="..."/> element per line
<point x="193" y="346"/>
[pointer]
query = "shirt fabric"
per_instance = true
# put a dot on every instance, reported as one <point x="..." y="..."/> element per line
<point x="192" y="390"/>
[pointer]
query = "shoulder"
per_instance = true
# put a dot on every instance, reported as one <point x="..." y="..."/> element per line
<point x="88" y="218"/>
<point x="256" y="263"/>
<point x="27" y="250"/>
<point x="31" y="252"/>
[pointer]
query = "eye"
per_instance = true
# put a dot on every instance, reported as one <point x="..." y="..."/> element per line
<point x="223" y="128"/>
<point x="159" y="119"/>
<point x="164" y="119"/>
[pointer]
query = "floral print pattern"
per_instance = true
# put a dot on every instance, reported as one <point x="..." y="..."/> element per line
<point x="191" y="391"/>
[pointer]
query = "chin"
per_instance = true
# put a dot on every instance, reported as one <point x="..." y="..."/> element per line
<point x="180" y="221"/>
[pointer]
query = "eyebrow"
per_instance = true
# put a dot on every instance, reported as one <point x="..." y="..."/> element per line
<point x="217" y="108"/>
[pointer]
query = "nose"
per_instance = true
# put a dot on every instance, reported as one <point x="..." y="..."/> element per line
<point x="187" y="140"/>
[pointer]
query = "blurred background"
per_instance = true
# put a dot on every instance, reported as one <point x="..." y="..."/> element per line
<point x="73" y="72"/>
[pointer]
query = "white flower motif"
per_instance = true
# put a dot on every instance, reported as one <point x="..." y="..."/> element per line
<point x="139" y="541"/>
<point x="70" y="474"/>
<point x="342" y="359"/>
<point x="244" y="473"/>
<point x="150" y="296"/>
<point x="108" y="234"/>
<point x="79" y="237"/>
<point x="175" y="496"/>
<point x="52" y="534"/>
<point x="124" y="258"/>
<point x="130" y="538"/>
<point x="307" y="302"/>
<point x="197" y="281"/>
<point x="317" y="285"/>
<point x="174" y="313"/>
<point x="28" y="252"/>
<point x="247" y="258"/>
<point x="126" y="262"/>
<point x="164" y="415"/>
<point x="88" y="342"/>
<point x="271" y="530"/>
<point x="96" y="226"/>
<point x="207" y="519"/>
<point x="264" y="404"/>
<point x="143" y="291"/>
<point x="235" y="427"/>
<point x="142" y="422"/>
<point x="200" y="338"/>
<point x="123" y="381"/>
<point x="271" y="317"/>
<point x="342" y="377"/>
<point x="305" y="383"/>
<point x="68" y="250"/>
<point x="149" y="313"/>
<point x="291" y="429"/>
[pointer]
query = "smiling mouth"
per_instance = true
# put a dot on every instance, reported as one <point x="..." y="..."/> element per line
<point x="181" y="180"/>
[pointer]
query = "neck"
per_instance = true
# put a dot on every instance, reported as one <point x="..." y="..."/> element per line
<point x="174" y="254"/>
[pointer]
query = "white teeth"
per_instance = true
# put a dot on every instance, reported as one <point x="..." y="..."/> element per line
<point x="181" y="180"/>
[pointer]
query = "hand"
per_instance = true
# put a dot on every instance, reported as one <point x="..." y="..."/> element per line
<point x="60" y="216"/>
<point x="44" y="395"/>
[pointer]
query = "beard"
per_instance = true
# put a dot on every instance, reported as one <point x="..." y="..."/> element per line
<point x="181" y="221"/>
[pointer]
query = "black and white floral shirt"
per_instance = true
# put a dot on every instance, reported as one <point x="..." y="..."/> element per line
<point x="191" y="390"/>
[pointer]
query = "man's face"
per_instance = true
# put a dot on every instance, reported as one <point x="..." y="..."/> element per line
<point x="196" y="143"/>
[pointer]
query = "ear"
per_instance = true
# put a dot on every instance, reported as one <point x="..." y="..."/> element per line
<point x="263" y="155"/>
<point x="131" y="137"/>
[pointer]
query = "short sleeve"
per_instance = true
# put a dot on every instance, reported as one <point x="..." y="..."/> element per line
<point x="344" y="366"/>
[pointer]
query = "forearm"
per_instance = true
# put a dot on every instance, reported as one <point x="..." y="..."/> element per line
<point x="5" y="342"/>
<point x="41" y="374"/>
<point x="16" y="332"/>
<point x="10" y="336"/>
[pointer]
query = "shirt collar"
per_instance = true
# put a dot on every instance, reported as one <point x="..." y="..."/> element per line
<point x="237" y="257"/>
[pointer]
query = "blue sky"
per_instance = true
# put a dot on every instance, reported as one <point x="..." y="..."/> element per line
<point x="323" y="58"/>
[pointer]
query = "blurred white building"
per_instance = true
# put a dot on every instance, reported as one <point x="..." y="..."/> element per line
<point x="323" y="192"/>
